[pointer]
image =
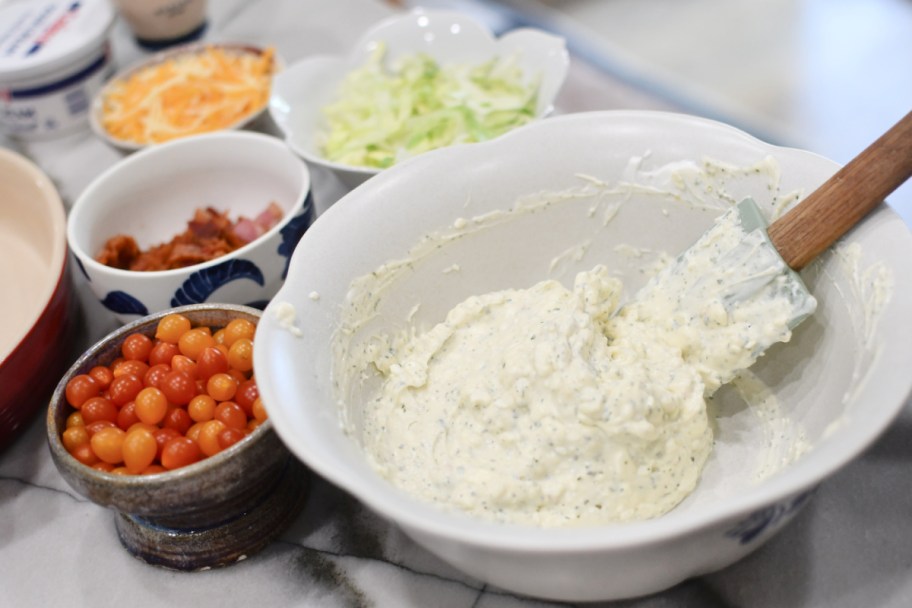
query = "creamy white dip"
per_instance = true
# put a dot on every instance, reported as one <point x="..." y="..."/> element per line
<point x="551" y="406"/>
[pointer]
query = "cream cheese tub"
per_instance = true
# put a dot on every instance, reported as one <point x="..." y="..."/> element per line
<point x="54" y="58"/>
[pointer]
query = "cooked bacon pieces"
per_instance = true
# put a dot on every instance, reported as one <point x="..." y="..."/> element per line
<point x="210" y="234"/>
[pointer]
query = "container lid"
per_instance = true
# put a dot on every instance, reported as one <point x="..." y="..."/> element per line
<point x="38" y="37"/>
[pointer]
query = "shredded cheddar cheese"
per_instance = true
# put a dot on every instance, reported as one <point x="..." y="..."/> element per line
<point x="189" y="94"/>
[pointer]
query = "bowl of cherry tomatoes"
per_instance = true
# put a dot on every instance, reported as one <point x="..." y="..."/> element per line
<point x="161" y="421"/>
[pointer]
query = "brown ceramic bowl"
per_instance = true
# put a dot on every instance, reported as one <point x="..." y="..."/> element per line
<point x="212" y="513"/>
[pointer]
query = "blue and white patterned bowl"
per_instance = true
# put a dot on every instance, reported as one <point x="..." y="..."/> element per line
<point x="151" y="196"/>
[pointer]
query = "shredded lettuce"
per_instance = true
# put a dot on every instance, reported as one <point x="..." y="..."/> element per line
<point x="382" y="116"/>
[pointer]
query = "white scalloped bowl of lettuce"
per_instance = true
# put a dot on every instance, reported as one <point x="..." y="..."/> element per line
<point x="525" y="57"/>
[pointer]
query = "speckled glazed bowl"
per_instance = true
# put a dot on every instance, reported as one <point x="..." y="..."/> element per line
<point x="212" y="513"/>
<point x="152" y="194"/>
<point x="546" y="202"/>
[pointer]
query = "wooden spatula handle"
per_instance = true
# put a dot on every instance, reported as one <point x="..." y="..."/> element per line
<point x="843" y="200"/>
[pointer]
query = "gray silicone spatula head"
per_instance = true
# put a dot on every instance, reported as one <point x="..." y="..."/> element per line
<point x="736" y="290"/>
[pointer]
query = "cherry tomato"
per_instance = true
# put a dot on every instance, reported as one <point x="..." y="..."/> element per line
<point x="102" y="375"/>
<point x="178" y="387"/>
<point x="211" y="361"/>
<point x="162" y="353"/>
<point x="124" y="389"/>
<point x="131" y="366"/>
<point x="240" y="355"/>
<point x="201" y="408"/>
<point x="221" y="387"/>
<point x="192" y="343"/>
<point x="180" y="452"/>
<point x="108" y="444"/>
<point x="183" y="363"/>
<point x="194" y="431"/>
<point x="239" y="376"/>
<point x="136" y="347"/>
<point x="259" y="410"/>
<point x="84" y="454"/>
<point x="139" y="450"/>
<point x="103" y="466"/>
<point x="152" y="469"/>
<point x="75" y="419"/>
<point x="74" y="437"/>
<point x="171" y="327"/>
<point x="231" y="414"/>
<point x="208" y="437"/>
<point x="178" y="419"/>
<point x="156" y="374"/>
<point x="151" y="405"/>
<point x="247" y="393"/>
<point x="98" y="408"/>
<point x="127" y="417"/>
<point x="229" y="437"/>
<point x="237" y="329"/>
<point x="142" y="425"/>
<point x="162" y="436"/>
<point x="81" y="388"/>
<point x="98" y="425"/>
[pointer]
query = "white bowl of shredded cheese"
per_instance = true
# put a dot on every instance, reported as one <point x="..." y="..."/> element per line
<point x="188" y="90"/>
<point x="412" y="83"/>
<point x="387" y="371"/>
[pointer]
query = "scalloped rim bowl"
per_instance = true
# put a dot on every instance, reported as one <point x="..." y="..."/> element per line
<point x="37" y="305"/>
<point x="301" y="90"/>
<point x="96" y="110"/>
<point x="815" y="377"/>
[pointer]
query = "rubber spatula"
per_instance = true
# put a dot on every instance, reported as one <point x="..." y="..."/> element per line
<point x="812" y="226"/>
<point x="749" y="259"/>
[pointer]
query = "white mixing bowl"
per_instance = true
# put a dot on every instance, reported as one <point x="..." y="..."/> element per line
<point x="546" y="202"/>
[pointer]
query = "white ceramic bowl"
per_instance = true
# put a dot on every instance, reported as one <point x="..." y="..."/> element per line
<point x="36" y="305"/>
<point x="301" y="91"/>
<point x="840" y="381"/>
<point x="96" y="111"/>
<point x="152" y="194"/>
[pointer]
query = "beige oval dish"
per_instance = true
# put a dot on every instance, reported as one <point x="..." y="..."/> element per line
<point x="96" y="113"/>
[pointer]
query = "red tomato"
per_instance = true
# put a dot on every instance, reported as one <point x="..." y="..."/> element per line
<point x="163" y="436"/>
<point x="178" y="387"/>
<point x="162" y="353"/>
<point x="246" y="394"/>
<point x="124" y="389"/>
<point x="178" y="419"/>
<point x="156" y="374"/>
<point x="80" y="388"/>
<point x="136" y="347"/>
<point x="211" y="361"/>
<point x="127" y="417"/>
<point x="180" y="452"/>
<point x="98" y="408"/>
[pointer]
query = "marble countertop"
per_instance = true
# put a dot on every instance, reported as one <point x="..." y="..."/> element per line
<point x="851" y="546"/>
